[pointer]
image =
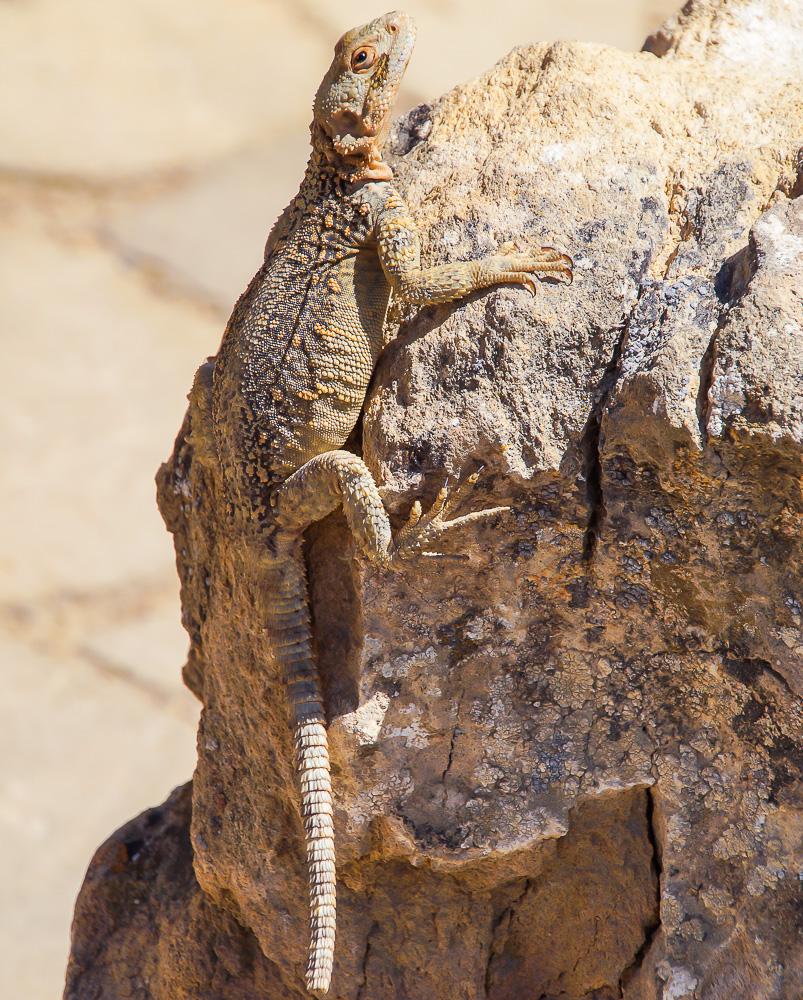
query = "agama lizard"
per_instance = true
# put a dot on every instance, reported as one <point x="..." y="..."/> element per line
<point x="290" y="381"/>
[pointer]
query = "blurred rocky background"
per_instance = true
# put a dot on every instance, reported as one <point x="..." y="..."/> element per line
<point x="145" y="149"/>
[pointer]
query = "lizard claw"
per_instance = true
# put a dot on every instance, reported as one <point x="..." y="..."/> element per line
<point x="420" y="530"/>
<point x="561" y="264"/>
<point x="528" y="268"/>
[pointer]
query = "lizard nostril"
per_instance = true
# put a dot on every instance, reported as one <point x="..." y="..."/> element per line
<point x="393" y="27"/>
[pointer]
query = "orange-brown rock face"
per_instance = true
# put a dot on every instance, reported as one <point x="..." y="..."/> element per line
<point x="565" y="768"/>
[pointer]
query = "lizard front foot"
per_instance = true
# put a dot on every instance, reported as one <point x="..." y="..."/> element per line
<point x="422" y="530"/>
<point x="524" y="268"/>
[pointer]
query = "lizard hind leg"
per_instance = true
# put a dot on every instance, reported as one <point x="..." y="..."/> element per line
<point x="290" y="634"/>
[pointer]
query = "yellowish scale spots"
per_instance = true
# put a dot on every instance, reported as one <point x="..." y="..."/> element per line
<point x="397" y="224"/>
<point x="296" y="340"/>
<point x="347" y="335"/>
<point x="343" y="396"/>
<point x="277" y="394"/>
<point x="334" y="286"/>
<point x="320" y="330"/>
<point x="329" y="220"/>
<point x="306" y="394"/>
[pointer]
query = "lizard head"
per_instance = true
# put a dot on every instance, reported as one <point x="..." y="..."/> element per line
<point x="353" y="106"/>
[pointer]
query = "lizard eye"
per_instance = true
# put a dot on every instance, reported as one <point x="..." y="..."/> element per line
<point x="363" y="59"/>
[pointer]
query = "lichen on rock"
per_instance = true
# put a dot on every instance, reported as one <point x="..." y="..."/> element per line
<point x="569" y="767"/>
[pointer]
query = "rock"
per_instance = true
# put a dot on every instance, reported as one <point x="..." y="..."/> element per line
<point x="450" y="48"/>
<point x="569" y="767"/>
<point x="171" y="942"/>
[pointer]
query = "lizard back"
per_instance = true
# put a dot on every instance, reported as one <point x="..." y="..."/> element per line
<point x="298" y="352"/>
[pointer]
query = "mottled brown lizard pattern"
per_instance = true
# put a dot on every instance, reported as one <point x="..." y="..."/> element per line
<point x="290" y="381"/>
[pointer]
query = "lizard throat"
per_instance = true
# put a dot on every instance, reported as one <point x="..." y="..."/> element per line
<point x="355" y="167"/>
<point x="373" y="170"/>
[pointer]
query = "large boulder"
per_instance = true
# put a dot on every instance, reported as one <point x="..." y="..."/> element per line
<point x="568" y="766"/>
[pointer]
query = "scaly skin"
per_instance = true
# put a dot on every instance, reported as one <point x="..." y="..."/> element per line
<point x="291" y="377"/>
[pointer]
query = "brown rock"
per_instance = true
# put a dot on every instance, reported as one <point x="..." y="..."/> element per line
<point x="567" y="768"/>
<point x="147" y="930"/>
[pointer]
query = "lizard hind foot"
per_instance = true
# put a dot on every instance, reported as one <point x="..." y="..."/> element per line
<point x="422" y="529"/>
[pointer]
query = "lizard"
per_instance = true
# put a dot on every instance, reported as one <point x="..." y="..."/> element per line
<point x="290" y="380"/>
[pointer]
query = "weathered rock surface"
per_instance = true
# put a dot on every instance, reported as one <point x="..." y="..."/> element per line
<point x="567" y="768"/>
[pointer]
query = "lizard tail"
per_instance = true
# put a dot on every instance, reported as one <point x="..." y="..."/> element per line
<point x="291" y="639"/>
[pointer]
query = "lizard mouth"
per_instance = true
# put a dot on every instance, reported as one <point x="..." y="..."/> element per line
<point x="357" y="141"/>
<point x="349" y="127"/>
<point x="362" y="158"/>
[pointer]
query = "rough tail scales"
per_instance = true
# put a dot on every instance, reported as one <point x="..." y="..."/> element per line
<point x="291" y="640"/>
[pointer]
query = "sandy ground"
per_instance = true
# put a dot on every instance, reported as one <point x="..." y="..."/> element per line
<point x="145" y="149"/>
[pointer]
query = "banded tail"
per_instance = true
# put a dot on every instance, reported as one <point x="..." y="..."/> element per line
<point x="291" y="640"/>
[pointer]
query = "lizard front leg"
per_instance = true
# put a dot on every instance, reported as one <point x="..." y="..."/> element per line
<point x="400" y="254"/>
